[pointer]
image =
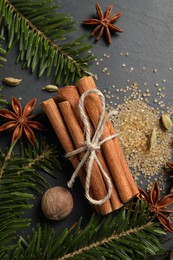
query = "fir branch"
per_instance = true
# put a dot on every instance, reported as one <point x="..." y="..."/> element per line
<point x="2" y="53"/>
<point x="41" y="156"/>
<point x="110" y="237"/>
<point x="2" y="60"/>
<point x="3" y="101"/>
<point x="5" y="159"/>
<point x="18" y="176"/>
<point x="36" y="26"/>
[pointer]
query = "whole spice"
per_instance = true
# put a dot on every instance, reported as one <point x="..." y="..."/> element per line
<point x="166" y="121"/>
<point x="153" y="139"/>
<point x="104" y="23"/>
<point x="57" y="203"/>
<point x="12" y="81"/>
<point x="159" y="206"/>
<point x="20" y="120"/>
<point x="50" y="88"/>
<point x="170" y="165"/>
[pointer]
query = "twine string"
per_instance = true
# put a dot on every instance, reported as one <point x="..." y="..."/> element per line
<point x="90" y="147"/>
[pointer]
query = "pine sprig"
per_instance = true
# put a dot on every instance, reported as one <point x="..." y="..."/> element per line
<point x="2" y="53"/>
<point x="112" y="237"/>
<point x="36" y="26"/>
<point x="18" y="175"/>
<point x="41" y="157"/>
<point x="2" y="61"/>
<point x="3" y="101"/>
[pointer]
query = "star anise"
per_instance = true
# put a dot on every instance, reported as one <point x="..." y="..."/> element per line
<point x="20" y="120"/>
<point x="157" y="205"/>
<point x="170" y="165"/>
<point x="104" y="23"/>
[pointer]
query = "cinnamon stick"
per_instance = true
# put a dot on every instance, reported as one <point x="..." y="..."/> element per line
<point x="97" y="182"/>
<point x="51" y="110"/>
<point x="71" y="94"/>
<point x="89" y="81"/>
<point x="111" y="151"/>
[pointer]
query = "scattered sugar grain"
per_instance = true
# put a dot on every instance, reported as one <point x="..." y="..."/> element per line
<point x="96" y="76"/>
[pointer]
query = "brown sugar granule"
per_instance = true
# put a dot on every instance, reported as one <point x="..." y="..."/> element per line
<point x="134" y="123"/>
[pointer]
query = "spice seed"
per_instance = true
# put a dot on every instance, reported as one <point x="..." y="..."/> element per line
<point x="166" y="121"/>
<point x="153" y="139"/>
<point x="50" y="88"/>
<point x="12" y="81"/>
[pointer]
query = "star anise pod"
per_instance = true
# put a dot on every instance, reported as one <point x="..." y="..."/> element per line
<point x="20" y="120"/>
<point x="104" y="23"/>
<point x="170" y="165"/>
<point x="157" y="205"/>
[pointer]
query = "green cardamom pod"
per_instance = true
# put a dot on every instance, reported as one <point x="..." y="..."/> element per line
<point x="153" y="139"/>
<point x="166" y="121"/>
<point x="12" y="81"/>
<point x="50" y="88"/>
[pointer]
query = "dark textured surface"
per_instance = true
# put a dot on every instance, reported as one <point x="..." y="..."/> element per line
<point x="147" y="37"/>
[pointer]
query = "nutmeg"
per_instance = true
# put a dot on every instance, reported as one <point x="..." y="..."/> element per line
<point x="57" y="203"/>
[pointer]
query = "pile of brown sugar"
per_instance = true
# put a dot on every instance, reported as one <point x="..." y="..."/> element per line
<point x="134" y="123"/>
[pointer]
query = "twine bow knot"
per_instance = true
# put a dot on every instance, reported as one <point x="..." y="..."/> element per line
<point x="90" y="147"/>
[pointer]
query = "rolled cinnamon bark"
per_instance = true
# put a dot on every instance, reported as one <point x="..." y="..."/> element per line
<point x="97" y="182"/>
<point x="51" y="110"/>
<point x="71" y="94"/>
<point x="117" y="164"/>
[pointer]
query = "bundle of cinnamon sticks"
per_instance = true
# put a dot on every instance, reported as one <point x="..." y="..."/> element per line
<point x="64" y="116"/>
